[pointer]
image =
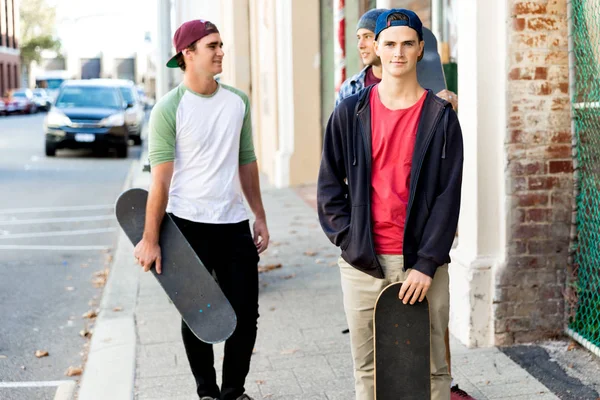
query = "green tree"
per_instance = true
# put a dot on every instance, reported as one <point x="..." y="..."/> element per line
<point x="38" y="20"/>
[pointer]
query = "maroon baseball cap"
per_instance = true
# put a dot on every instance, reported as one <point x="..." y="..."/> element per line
<point x="188" y="33"/>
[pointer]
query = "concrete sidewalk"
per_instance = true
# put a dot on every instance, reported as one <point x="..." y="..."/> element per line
<point x="301" y="352"/>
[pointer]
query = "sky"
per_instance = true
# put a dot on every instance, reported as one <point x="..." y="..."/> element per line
<point x="116" y="26"/>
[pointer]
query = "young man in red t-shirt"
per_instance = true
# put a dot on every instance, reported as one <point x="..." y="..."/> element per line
<point x="389" y="195"/>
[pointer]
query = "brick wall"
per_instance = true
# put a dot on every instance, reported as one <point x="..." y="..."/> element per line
<point x="528" y="303"/>
<point x="421" y="7"/>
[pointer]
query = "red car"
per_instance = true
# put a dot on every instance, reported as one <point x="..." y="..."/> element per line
<point x="20" y="101"/>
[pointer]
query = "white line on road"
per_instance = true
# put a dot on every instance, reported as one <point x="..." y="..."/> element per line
<point x="56" y="209"/>
<point x="31" y="384"/>
<point x="57" y="233"/>
<point x="53" y="220"/>
<point x="58" y="248"/>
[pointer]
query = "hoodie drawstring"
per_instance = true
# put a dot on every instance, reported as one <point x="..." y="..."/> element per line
<point x="445" y="134"/>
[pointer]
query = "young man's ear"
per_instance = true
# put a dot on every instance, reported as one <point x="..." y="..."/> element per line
<point x="422" y="53"/>
<point x="376" y="45"/>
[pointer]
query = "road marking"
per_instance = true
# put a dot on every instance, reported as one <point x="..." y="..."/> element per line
<point x="53" y="220"/>
<point x="56" y="233"/>
<point x="56" y="209"/>
<point x="51" y="248"/>
<point x="31" y="384"/>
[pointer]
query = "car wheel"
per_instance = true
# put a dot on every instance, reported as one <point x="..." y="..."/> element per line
<point x="123" y="151"/>
<point x="50" y="150"/>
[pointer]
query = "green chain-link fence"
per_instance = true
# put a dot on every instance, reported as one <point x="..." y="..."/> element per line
<point x="584" y="293"/>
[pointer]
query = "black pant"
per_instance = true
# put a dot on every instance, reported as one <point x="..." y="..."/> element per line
<point x="229" y="251"/>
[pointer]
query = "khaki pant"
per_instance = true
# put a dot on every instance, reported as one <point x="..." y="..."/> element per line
<point x="360" y="294"/>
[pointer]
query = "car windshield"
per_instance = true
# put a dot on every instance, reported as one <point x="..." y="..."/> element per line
<point x="127" y="94"/>
<point x="39" y="92"/>
<point x="54" y="83"/>
<point x="100" y="97"/>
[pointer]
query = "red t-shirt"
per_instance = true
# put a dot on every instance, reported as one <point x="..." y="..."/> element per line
<point x="394" y="133"/>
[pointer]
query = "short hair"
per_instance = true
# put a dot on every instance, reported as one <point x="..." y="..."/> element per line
<point x="181" y="59"/>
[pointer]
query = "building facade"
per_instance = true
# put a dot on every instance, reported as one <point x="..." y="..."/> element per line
<point x="10" y="63"/>
<point x="509" y="62"/>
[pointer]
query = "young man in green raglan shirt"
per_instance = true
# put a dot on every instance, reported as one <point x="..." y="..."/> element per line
<point x="203" y="164"/>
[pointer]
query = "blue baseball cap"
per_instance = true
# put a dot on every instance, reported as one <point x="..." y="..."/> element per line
<point x="413" y="21"/>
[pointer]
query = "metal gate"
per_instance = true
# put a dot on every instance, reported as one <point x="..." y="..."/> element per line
<point x="584" y="281"/>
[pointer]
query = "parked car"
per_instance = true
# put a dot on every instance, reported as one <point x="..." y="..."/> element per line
<point x="42" y="99"/>
<point x="87" y="114"/>
<point x="21" y="101"/>
<point x="2" y="107"/>
<point x="135" y="114"/>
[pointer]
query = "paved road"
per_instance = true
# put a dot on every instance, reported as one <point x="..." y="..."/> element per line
<point x="56" y="232"/>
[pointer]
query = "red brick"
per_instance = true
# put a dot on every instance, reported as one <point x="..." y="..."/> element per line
<point x="528" y="7"/>
<point x="557" y="58"/>
<point x="524" y="168"/>
<point x="515" y="74"/>
<point x="524" y="261"/>
<point x="517" y="136"/>
<point x="561" y="199"/>
<point x="544" y="24"/>
<point x="543" y="182"/>
<point x="539" y="215"/>
<point x="532" y="199"/>
<point x="556" y="167"/>
<point x="519" y="24"/>
<point x="541" y="73"/>
<point x="557" y="7"/>
<point x="559" y="151"/>
<point x="539" y="247"/>
<point x="563" y="103"/>
<point x="561" y="137"/>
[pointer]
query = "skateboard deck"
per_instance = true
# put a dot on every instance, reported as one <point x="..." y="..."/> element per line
<point x="430" y="72"/>
<point x="402" y="347"/>
<point x="184" y="278"/>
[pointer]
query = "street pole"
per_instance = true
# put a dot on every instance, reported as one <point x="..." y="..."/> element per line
<point x="163" y="81"/>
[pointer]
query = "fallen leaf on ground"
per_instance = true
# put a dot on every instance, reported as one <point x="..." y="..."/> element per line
<point x="572" y="346"/>
<point x="74" y="371"/>
<point x="310" y="253"/>
<point x="333" y="264"/>
<point x="117" y="309"/>
<point x="259" y="382"/>
<point x="90" y="314"/>
<point x="319" y="261"/>
<point x="289" y="276"/>
<point x="269" y="267"/>
<point x="109" y="259"/>
<point x="290" y="351"/>
<point x="107" y="340"/>
<point x="267" y="396"/>
<point x="254" y="351"/>
<point x="272" y="308"/>
<point x="41" y="353"/>
<point x="85" y="333"/>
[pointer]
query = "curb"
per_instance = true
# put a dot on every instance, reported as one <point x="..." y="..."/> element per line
<point x="109" y="372"/>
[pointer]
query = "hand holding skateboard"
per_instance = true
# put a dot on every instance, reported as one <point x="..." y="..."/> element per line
<point x="415" y="287"/>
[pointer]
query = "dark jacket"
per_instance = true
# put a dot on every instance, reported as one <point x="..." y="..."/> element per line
<point x="435" y="185"/>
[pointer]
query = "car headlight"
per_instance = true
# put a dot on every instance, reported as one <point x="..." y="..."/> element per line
<point x="113" y="120"/>
<point x="57" y="119"/>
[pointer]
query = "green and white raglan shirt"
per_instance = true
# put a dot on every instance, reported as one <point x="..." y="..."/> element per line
<point x="208" y="138"/>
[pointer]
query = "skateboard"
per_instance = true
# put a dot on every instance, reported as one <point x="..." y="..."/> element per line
<point x="430" y="72"/>
<point x="187" y="282"/>
<point x="402" y="341"/>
